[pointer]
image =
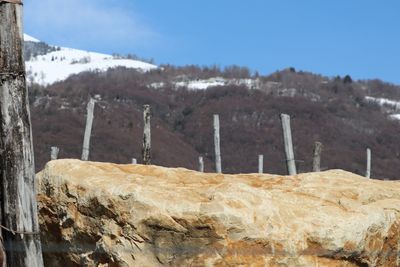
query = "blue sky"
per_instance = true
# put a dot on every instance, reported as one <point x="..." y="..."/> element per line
<point x="330" y="37"/>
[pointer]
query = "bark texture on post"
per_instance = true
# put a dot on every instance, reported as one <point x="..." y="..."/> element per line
<point x="260" y="163"/>
<point x="18" y="192"/>
<point x="218" y="165"/>
<point x="54" y="153"/>
<point x="317" y="157"/>
<point x="88" y="129"/>
<point x="201" y="164"/>
<point x="146" y="151"/>
<point x="368" y="171"/>
<point x="287" y="139"/>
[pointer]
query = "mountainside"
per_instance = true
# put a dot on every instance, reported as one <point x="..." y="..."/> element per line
<point x="346" y="116"/>
<point x="47" y="64"/>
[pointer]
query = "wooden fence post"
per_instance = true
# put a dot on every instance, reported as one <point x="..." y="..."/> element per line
<point x="201" y="164"/>
<point x="317" y="157"/>
<point x="54" y="152"/>
<point x="218" y="165"/>
<point x="260" y="163"/>
<point x="88" y="129"/>
<point x="287" y="139"/>
<point x="146" y="151"/>
<point x="18" y="208"/>
<point x="368" y="171"/>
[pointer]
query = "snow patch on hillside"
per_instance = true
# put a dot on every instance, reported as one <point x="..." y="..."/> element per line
<point x="204" y="84"/>
<point x="395" y="117"/>
<point x="384" y="102"/>
<point x="389" y="105"/>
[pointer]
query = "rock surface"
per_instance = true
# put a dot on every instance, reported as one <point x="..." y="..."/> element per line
<point x="102" y="214"/>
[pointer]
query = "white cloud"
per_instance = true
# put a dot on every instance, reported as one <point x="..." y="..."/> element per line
<point x="87" y="22"/>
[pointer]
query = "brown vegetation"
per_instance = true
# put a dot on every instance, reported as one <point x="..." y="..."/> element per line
<point x="332" y="111"/>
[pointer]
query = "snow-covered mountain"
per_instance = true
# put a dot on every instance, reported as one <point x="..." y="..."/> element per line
<point x="48" y="64"/>
<point x="28" y="38"/>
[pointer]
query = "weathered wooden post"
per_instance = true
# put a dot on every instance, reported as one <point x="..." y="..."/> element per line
<point x="18" y="206"/>
<point x="317" y="157"/>
<point x="368" y="171"/>
<point x="146" y="151"/>
<point x="201" y="164"/>
<point x="218" y="165"/>
<point x="260" y="163"/>
<point x="54" y="152"/>
<point x="88" y="129"/>
<point x="134" y="161"/>
<point x="287" y="139"/>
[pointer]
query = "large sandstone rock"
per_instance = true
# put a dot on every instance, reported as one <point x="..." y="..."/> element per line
<point x="101" y="214"/>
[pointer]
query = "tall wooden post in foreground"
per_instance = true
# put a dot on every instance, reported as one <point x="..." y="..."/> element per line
<point x="218" y="165"/>
<point x="287" y="139"/>
<point x="18" y="210"/>
<point x="317" y="157"/>
<point x="146" y="151"/>
<point x="368" y="171"/>
<point x="88" y="129"/>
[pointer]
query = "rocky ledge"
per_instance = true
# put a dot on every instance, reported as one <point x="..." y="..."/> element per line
<point x="102" y="214"/>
